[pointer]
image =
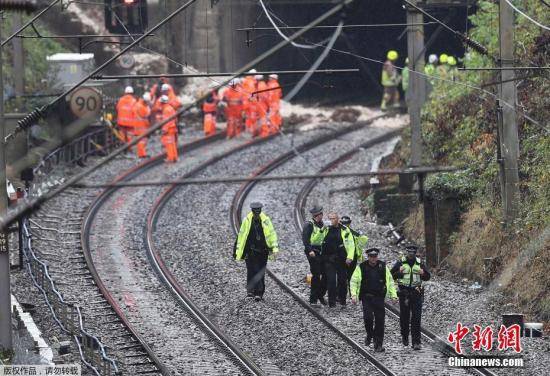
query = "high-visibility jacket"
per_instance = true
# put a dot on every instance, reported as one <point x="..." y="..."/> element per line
<point x="264" y="95"/>
<point x="276" y="93"/>
<point x="249" y="85"/>
<point x="125" y="110"/>
<point x="170" y="128"/>
<point x="233" y="97"/>
<point x="405" y="82"/>
<point x="360" y="241"/>
<point x="317" y="235"/>
<point x="142" y="112"/>
<point x="411" y="276"/>
<point x="269" y="233"/>
<point x="390" y="77"/>
<point x="429" y="69"/>
<point x="349" y="242"/>
<point x="209" y="107"/>
<point x="358" y="285"/>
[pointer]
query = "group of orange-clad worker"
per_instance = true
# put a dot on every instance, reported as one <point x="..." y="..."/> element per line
<point x="250" y="104"/>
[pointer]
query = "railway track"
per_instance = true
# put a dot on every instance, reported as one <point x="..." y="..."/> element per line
<point x="244" y="364"/>
<point x="236" y="215"/>
<point x="436" y="342"/>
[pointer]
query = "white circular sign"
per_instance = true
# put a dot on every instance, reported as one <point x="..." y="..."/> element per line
<point x="127" y="61"/>
<point x="86" y="102"/>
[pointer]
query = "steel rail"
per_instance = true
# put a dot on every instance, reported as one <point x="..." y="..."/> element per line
<point x="300" y="218"/>
<point x="244" y="362"/>
<point x="235" y="218"/>
<point x="85" y="241"/>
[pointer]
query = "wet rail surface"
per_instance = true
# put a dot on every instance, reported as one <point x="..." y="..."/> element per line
<point x="436" y="343"/>
<point x="236" y="215"/>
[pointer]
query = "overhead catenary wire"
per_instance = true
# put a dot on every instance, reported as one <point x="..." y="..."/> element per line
<point x="316" y="64"/>
<point x="348" y="26"/>
<point x="31" y="204"/>
<point x="527" y="16"/>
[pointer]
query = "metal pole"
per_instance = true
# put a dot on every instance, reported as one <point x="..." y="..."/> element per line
<point x="417" y="82"/>
<point x="509" y="139"/>
<point x="18" y="67"/>
<point x="5" y="296"/>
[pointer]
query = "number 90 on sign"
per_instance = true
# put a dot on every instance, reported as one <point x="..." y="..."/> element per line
<point x="86" y="102"/>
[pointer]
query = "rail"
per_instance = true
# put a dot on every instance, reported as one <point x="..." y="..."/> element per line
<point x="68" y="315"/>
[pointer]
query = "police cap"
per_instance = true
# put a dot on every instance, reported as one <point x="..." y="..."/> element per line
<point x="316" y="210"/>
<point x="345" y="220"/>
<point x="373" y="251"/>
<point x="411" y="248"/>
<point x="256" y="205"/>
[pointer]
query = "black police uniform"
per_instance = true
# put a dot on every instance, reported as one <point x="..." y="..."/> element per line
<point x="256" y="254"/>
<point x="372" y="294"/>
<point x="316" y="267"/>
<point x="410" y="303"/>
<point x="334" y="261"/>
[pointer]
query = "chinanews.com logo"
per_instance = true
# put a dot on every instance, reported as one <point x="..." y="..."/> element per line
<point x="507" y="338"/>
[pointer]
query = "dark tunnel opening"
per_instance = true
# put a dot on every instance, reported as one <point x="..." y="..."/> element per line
<point x="372" y="43"/>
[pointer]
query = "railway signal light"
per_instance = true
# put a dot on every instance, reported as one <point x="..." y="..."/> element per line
<point x="126" y="16"/>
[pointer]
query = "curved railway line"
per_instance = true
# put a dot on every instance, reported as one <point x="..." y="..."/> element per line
<point x="142" y="358"/>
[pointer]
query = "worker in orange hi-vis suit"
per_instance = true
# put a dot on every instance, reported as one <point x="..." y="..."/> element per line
<point x="209" y="109"/>
<point x="240" y="90"/>
<point x="249" y="85"/>
<point x="156" y="91"/>
<point x="173" y="99"/>
<point x="125" y="114"/>
<point x="169" y="130"/>
<point x="257" y="116"/>
<point x="142" y="111"/>
<point x="275" y="96"/>
<point x="234" y="109"/>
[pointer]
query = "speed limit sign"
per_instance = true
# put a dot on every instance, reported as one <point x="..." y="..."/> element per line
<point x="86" y="102"/>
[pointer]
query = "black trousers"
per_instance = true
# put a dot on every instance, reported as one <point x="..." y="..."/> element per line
<point x="410" y="313"/>
<point x="374" y="316"/>
<point x="318" y="278"/>
<point x="337" y="274"/>
<point x="255" y="273"/>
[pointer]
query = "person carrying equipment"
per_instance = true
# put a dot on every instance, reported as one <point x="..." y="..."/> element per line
<point x="256" y="242"/>
<point x="371" y="282"/>
<point x="275" y="96"/>
<point x="169" y="130"/>
<point x="126" y="119"/>
<point x="209" y="109"/>
<point x="313" y="235"/>
<point x="409" y="272"/>
<point x="142" y="110"/>
<point x="390" y="81"/>
<point x="338" y="243"/>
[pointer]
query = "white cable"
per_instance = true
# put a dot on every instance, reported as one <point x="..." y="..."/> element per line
<point x="299" y="45"/>
<point x="526" y="16"/>
<point x="315" y="65"/>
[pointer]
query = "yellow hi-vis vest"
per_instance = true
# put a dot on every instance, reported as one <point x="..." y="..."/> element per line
<point x="349" y="242"/>
<point x="357" y="278"/>
<point x="317" y="235"/>
<point x="269" y="233"/>
<point x="411" y="276"/>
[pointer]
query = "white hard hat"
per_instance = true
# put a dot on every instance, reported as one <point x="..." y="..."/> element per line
<point x="259" y="77"/>
<point x="274" y="76"/>
<point x="165" y="87"/>
<point x="164" y="99"/>
<point x="147" y="97"/>
<point x="252" y="71"/>
<point x="432" y="59"/>
<point x="129" y="90"/>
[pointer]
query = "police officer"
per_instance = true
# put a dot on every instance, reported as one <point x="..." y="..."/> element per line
<point x="371" y="283"/>
<point x="313" y="235"/>
<point x="360" y="241"/>
<point x="409" y="272"/>
<point x="337" y="245"/>
<point x="256" y="242"/>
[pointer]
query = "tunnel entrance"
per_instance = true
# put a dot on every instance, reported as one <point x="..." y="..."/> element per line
<point x="372" y="43"/>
